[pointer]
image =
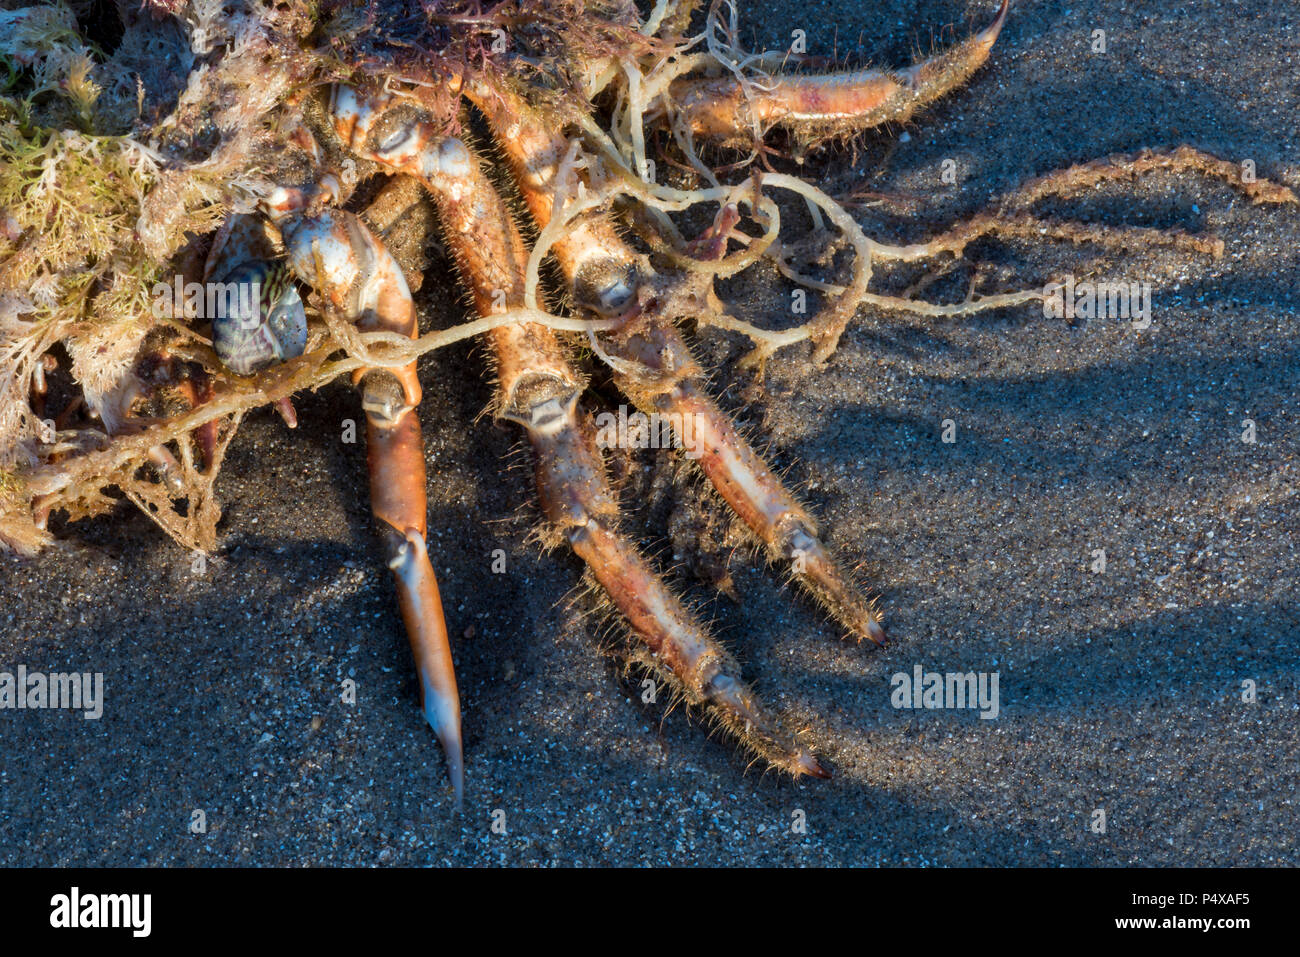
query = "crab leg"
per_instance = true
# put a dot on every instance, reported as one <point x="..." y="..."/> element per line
<point x="539" y="390"/>
<point x="830" y="104"/>
<point x="334" y="252"/>
<point x="603" y="273"/>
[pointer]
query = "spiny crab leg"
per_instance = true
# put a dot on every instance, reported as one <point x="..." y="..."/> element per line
<point x="333" y="251"/>
<point x="724" y="109"/>
<point x="603" y="272"/>
<point x="539" y="390"/>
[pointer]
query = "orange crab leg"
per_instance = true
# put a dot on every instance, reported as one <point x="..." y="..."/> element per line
<point x="334" y="252"/>
<point x="603" y="272"/>
<point x="395" y="456"/>
<point x="538" y="389"/>
<point x="830" y="104"/>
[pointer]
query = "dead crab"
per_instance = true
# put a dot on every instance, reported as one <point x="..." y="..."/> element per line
<point x="583" y="173"/>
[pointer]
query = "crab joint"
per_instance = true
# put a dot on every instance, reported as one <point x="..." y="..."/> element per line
<point x="383" y="398"/>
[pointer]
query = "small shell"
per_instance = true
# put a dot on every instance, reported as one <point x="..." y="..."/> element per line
<point x="259" y="318"/>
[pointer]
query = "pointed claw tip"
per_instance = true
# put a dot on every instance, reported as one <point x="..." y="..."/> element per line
<point x="805" y="762"/>
<point x="809" y="765"/>
<point x="442" y="711"/>
<point x="876" y="632"/>
<point x="451" y="747"/>
<point x="989" y="34"/>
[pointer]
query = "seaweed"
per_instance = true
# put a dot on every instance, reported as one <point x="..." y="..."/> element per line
<point x="113" y="167"/>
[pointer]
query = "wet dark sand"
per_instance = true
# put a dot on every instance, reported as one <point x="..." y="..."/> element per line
<point x="1120" y="690"/>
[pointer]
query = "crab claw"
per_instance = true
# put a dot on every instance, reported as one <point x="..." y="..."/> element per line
<point x="421" y="608"/>
<point x="989" y="35"/>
